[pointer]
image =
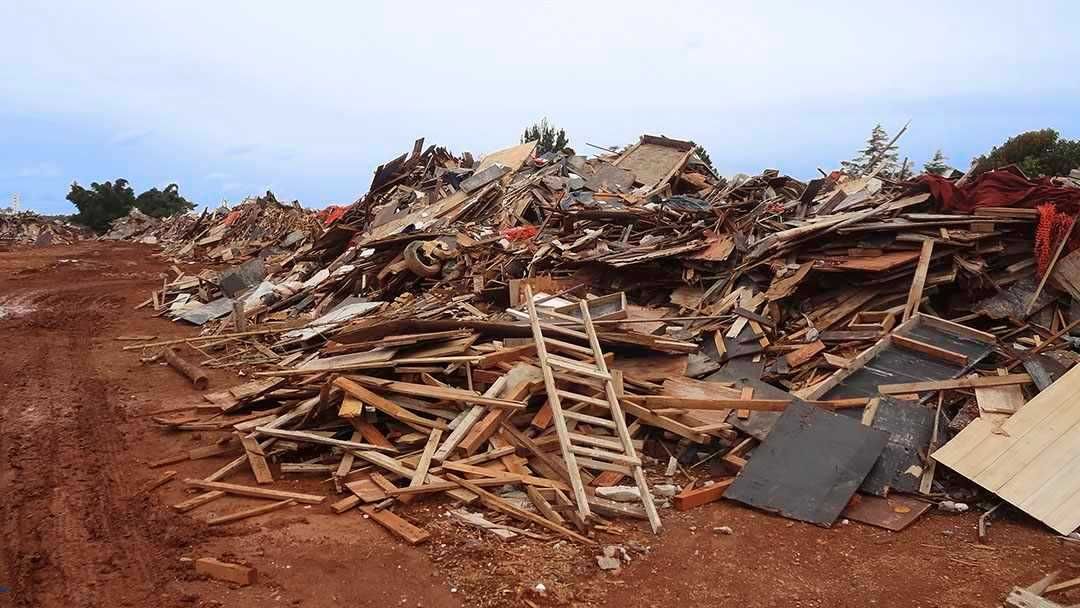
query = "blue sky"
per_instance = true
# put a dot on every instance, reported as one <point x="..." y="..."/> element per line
<point x="233" y="98"/>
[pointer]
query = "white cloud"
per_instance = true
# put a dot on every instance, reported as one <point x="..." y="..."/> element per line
<point x="311" y="93"/>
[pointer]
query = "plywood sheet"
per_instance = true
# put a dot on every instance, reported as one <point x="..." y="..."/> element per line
<point x="894" y="513"/>
<point x="781" y="478"/>
<point x="651" y="163"/>
<point x="1032" y="460"/>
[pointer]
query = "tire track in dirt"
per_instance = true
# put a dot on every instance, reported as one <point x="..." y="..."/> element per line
<point x="75" y="532"/>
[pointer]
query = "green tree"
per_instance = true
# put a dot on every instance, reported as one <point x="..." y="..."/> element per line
<point x="936" y="165"/>
<point x="879" y="152"/>
<point x="102" y="203"/>
<point x="1041" y="152"/>
<point x="704" y="156"/>
<point x="550" y="139"/>
<point x="163" y="203"/>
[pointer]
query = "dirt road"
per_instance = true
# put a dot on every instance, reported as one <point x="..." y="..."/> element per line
<point x="75" y="442"/>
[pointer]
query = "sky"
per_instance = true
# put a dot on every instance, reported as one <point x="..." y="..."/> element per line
<point x="230" y="99"/>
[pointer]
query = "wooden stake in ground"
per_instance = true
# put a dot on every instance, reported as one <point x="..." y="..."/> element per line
<point x="193" y="372"/>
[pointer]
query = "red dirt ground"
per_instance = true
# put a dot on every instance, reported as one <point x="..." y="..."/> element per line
<point x="75" y="440"/>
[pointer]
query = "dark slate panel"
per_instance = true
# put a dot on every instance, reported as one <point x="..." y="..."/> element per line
<point x="899" y="468"/>
<point x="809" y="466"/>
<point x="912" y="365"/>
<point x="974" y="349"/>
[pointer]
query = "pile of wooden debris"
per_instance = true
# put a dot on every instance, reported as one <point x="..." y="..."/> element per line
<point x="256" y="225"/>
<point x="29" y="228"/>
<point x="527" y="332"/>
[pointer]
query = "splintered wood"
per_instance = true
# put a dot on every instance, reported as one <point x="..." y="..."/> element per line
<point x="553" y="325"/>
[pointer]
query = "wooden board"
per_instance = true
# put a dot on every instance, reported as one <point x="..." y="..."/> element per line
<point x="395" y="524"/>
<point x="1032" y="461"/>
<point x="241" y="490"/>
<point x="893" y="513"/>
<point x="651" y="163"/>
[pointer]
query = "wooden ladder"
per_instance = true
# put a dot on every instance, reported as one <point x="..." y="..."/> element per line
<point x="580" y="450"/>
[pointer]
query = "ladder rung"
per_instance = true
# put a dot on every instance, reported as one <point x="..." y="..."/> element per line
<point x="587" y="419"/>
<point x="577" y="362"/>
<point x="574" y="368"/>
<point x="583" y="399"/>
<point x="568" y="346"/>
<point x="605" y="455"/>
<point x="599" y="465"/>
<point x="547" y="312"/>
<point x="599" y="442"/>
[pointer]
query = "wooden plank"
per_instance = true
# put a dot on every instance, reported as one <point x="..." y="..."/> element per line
<point x="688" y="499"/>
<point x="198" y="501"/>
<point x="366" y="490"/>
<point x="256" y="458"/>
<point x="760" y="405"/>
<point x="805" y="353"/>
<point x="955" y="383"/>
<point x="345" y="504"/>
<point x="395" y="524"/>
<point x="224" y="571"/>
<point x="934" y="352"/>
<point x="509" y="477"/>
<point x="495" y="503"/>
<point x="423" y="390"/>
<point x="370" y="434"/>
<point x="306" y="437"/>
<point x="421" y="473"/>
<point x="385" y="405"/>
<point x="254" y="492"/>
<point x="246" y="513"/>
<point x="919" y="280"/>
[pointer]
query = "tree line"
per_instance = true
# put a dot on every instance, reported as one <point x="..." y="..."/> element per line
<point x="100" y="204"/>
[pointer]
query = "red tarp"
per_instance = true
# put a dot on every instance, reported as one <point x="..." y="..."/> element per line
<point x="1001" y="188"/>
<point x="1057" y="206"/>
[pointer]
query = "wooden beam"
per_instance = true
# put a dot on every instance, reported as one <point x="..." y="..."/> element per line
<point x="392" y="522"/>
<point x="941" y="385"/>
<point x="306" y="437"/>
<point x="254" y="492"/>
<point x="919" y="280"/>
<point x="246" y="513"/>
<point x="934" y="352"/>
<point x="423" y="390"/>
<point x="385" y="405"/>
<point x="497" y="504"/>
<point x="688" y="499"/>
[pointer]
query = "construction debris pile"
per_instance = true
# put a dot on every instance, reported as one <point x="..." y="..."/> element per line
<point x="29" y="228"/>
<point x="527" y="333"/>
<point x="224" y="234"/>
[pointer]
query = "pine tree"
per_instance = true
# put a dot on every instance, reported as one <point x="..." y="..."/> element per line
<point x="877" y="153"/>
<point x="936" y="165"/>
<point x="704" y="156"/>
<point x="549" y="139"/>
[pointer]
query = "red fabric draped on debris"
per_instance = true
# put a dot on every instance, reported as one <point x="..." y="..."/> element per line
<point x="1008" y="188"/>
<point x="1003" y="188"/>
